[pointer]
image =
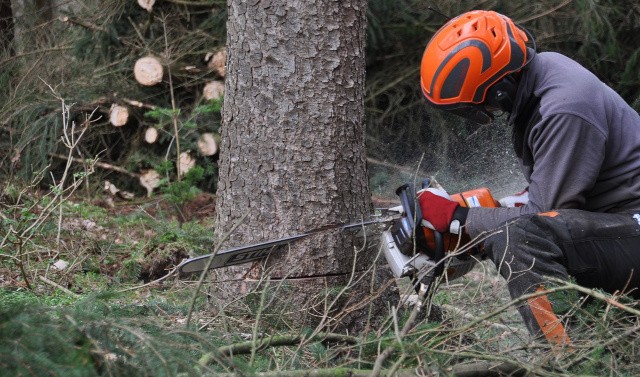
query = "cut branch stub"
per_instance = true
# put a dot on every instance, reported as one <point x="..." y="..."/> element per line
<point x="148" y="71"/>
<point x="213" y="90"/>
<point x="208" y="143"/>
<point x="118" y="115"/>
<point x="151" y="135"/>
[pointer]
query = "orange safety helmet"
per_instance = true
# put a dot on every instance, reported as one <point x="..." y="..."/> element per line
<point x="466" y="57"/>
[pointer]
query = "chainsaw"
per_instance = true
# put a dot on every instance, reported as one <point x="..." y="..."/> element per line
<point x="410" y="248"/>
<point x="413" y="249"/>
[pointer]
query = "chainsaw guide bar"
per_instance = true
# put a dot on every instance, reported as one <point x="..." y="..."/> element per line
<point x="249" y="253"/>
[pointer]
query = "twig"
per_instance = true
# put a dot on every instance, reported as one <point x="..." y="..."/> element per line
<point x="138" y="103"/>
<point x="377" y="367"/>
<point x="486" y="368"/>
<point x="549" y="11"/>
<point x="392" y="166"/>
<point x="216" y="249"/>
<point x="35" y="52"/>
<point x="284" y="340"/>
<point x="56" y="285"/>
<point x="159" y="280"/>
<point x="102" y="165"/>
<point x="84" y="24"/>
<point x="595" y="294"/>
<point x="174" y="110"/>
<point x="497" y="326"/>
<point x="325" y="372"/>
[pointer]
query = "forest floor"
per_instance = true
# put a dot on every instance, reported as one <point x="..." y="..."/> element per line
<point x="94" y="262"/>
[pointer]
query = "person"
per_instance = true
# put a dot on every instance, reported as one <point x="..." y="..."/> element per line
<point x="578" y="145"/>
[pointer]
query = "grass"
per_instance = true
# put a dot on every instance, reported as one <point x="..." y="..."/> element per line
<point x="96" y="317"/>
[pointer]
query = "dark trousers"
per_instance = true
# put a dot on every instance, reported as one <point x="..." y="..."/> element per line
<point x="599" y="250"/>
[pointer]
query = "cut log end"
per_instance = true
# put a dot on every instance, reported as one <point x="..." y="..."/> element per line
<point x="213" y="90"/>
<point x="217" y="61"/>
<point x="186" y="163"/>
<point x="147" y="4"/>
<point x="208" y="144"/>
<point x="119" y="115"/>
<point x="151" y="135"/>
<point x="150" y="179"/>
<point x="148" y="71"/>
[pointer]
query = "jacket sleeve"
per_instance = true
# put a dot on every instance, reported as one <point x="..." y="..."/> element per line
<point x="567" y="156"/>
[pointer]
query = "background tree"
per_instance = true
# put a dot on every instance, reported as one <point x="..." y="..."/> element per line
<point x="293" y="152"/>
<point x="6" y="27"/>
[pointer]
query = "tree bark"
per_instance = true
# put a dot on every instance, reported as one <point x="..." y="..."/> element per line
<point x="293" y="149"/>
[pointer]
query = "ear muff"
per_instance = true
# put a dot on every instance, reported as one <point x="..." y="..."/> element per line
<point x="501" y="95"/>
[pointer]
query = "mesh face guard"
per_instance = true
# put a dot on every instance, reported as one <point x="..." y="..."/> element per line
<point x="476" y="113"/>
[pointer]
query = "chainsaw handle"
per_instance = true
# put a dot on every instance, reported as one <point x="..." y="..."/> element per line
<point x="407" y="195"/>
<point x="438" y="253"/>
<point x="410" y="226"/>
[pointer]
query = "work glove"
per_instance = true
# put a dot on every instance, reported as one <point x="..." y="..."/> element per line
<point x="441" y="213"/>
<point x="517" y="200"/>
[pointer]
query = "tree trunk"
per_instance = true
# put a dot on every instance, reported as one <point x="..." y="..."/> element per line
<point x="6" y="27"/>
<point x="293" y="151"/>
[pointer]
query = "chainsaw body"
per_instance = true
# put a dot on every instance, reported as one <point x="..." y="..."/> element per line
<point x="416" y="251"/>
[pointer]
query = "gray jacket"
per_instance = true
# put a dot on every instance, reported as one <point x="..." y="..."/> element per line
<point x="578" y="143"/>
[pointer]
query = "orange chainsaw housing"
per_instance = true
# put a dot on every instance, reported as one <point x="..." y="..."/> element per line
<point x="480" y="197"/>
